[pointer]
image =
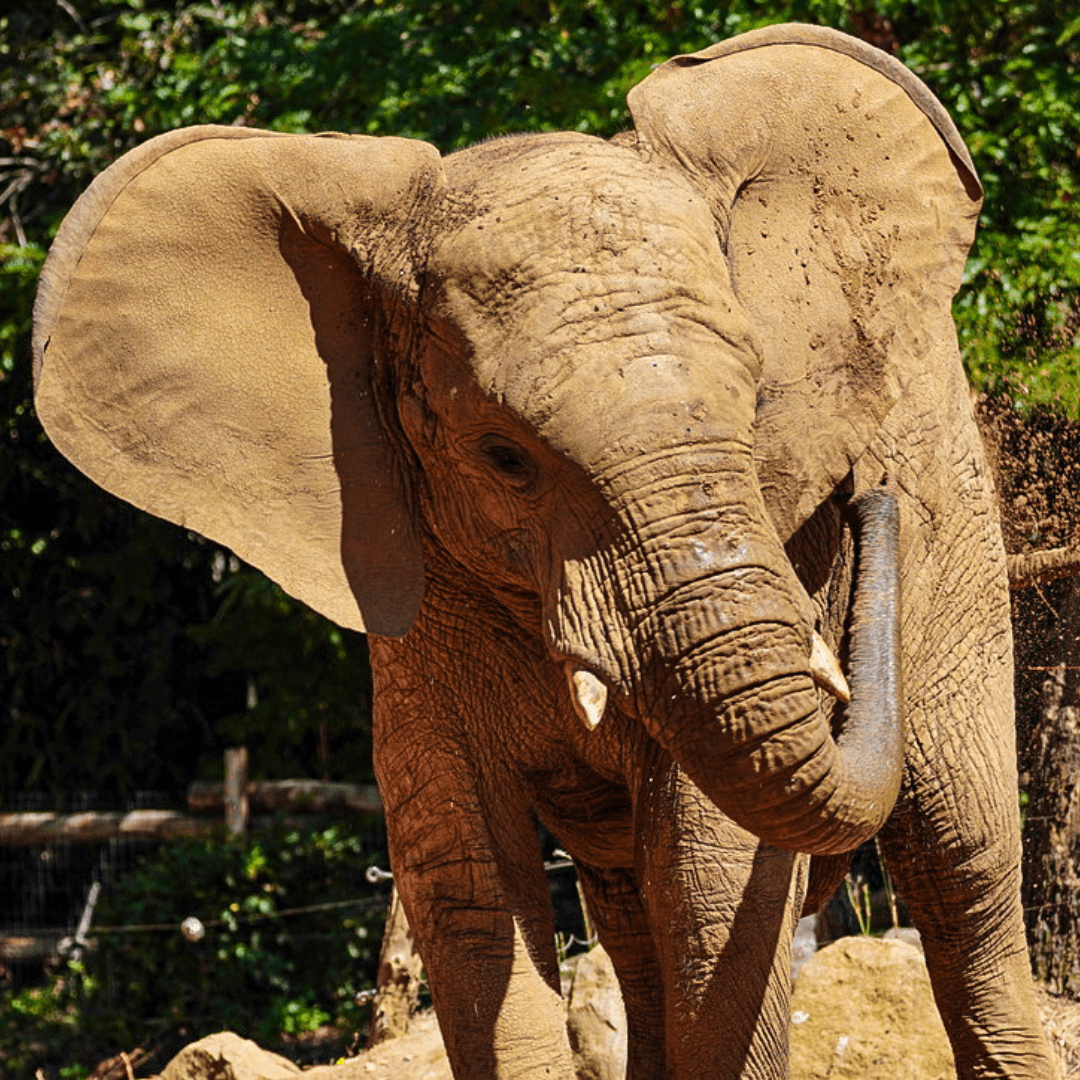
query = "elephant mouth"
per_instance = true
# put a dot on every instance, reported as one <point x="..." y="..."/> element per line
<point x="728" y="679"/>
<point x="589" y="692"/>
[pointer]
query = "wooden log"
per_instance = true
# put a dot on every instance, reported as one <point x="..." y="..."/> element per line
<point x="42" y="829"/>
<point x="1041" y="567"/>
<point x="29" y="829"/>
<point x="314" y="796"/>
<point x="29" y="948"/>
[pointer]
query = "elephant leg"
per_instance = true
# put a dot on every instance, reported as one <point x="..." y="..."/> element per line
<point x="953" y="844"/>
<point x="723" y="907"/>
<point x="964" y="898"/>
<point x="486" y="936"/>
<point x="615" y="907"/>
<point x="469" y="871"/>
<point x="953" y="841"/>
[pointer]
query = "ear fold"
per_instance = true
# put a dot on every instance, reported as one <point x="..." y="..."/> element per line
<point x="206" y="336"/>
<point x="846" y="202"/>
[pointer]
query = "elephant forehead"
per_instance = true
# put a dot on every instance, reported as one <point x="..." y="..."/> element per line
<point x="575" y="254"/>
<point x="533" y="207"/>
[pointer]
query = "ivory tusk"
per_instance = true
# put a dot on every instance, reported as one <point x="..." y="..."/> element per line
<point x="825" y="669"/>
<point x="589" y="695"/>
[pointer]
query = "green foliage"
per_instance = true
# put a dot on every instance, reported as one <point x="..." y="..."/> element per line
<point x="262" y="971"/>
<point x="132" y="652"/>
<point x="308" y="682"/>
<point x="1010" y="75"/>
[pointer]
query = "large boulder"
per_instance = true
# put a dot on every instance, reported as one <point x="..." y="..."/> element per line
<point x="862" y="1007"/>
<point x="226" y="1056"/>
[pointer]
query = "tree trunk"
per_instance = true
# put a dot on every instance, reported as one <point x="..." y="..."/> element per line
<point x="400" y="969"/>
<point x="1048" y="660"/>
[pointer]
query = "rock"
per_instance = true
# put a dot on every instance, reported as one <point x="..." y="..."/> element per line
<point x="419" y="1055"/>
<point x="226" y="1056"/>
<point x="596" y="1019"/>
<point x="804" y="944"/>
<point x="862" y="1007"/>
<point x="904" y="933"/>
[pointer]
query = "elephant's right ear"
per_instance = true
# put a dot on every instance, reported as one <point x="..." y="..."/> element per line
<point x="209" y="325"/>
<point x="846" y="201"/>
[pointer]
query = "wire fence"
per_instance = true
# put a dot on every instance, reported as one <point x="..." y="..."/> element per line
<point x="42" y="888"/>
<point x="50" y="884"/>
<point x="48" y="889"/>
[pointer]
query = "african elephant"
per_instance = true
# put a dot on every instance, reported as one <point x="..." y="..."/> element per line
<point x="613" y="447"/>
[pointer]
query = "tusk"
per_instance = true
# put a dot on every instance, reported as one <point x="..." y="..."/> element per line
<point x="825" y="669"/>
<point x="590" y="696"/>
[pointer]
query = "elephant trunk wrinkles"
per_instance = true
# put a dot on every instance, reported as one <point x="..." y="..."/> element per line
<point x="733" y="651"/>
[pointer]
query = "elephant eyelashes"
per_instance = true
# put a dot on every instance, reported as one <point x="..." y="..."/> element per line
<point x="511" y="461"/>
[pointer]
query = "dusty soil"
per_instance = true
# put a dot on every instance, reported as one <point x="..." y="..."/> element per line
<point x="1036" y="462"/>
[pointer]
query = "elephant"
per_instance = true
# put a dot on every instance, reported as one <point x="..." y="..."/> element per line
<point x="649" y="467"/>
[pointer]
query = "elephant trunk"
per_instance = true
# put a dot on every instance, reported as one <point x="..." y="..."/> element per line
<point x="727" y="684"/>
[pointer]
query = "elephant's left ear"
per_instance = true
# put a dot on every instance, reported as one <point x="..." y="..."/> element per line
<point x="212" y="325"/>
<point x="846" y="202"/>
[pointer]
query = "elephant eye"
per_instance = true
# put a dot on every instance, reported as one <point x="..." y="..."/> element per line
<point x="510" y="460"/>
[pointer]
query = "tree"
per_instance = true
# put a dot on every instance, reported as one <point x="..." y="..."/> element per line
<point x="1038" y="475"/>
<point x="1050" y="754"/>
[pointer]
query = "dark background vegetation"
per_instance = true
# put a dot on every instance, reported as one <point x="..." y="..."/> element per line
<point x="132" y="652"/>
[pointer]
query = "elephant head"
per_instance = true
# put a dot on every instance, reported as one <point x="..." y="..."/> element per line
<point x="605" y="381"/>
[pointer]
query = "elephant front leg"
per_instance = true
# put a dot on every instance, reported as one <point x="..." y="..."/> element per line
<point x="471" y="879"/>
<point x="723" y="908"/>
<point x="954" y="850"/>
<point x="614" y="902"/>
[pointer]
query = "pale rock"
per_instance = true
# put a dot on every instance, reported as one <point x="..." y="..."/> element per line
<point x="862" y="1007"/>
<point x="227" y="1056"/>
<point x="596" y="1019"/>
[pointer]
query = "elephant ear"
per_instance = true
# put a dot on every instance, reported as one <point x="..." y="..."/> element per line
<point x="846" y="203"/>
<point x="207" y="332"/>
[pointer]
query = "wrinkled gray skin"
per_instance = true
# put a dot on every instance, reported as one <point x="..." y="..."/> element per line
<point x="585" y="421"/>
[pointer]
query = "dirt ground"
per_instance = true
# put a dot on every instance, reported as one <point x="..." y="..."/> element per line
<point x="861" y="1010"/>
<point x="421" y="1057"/>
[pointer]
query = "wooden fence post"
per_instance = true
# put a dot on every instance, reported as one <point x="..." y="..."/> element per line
<point x="236" y="800"/>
